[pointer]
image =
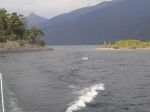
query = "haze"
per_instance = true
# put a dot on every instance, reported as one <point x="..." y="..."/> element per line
<point x="45" y="8"/>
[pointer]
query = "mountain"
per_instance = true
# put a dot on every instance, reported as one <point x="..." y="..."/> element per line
<point x="34" y="19"/>
<point x="127" y="19"/>
<point x="74" y="14"/>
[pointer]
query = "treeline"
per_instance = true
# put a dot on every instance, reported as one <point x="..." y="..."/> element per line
<point x="127" y="44"/>
<point x="13" y="27"/>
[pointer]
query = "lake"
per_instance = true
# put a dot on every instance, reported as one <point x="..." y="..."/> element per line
<point x="76" y="79"/>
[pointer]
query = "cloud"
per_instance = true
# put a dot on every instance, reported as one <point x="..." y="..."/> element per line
<point x="45" y="8"/>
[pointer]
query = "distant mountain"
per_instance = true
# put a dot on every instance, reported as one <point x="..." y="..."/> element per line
<point x="128" y="19"/>
<point x="66" y="17"/>
<point x="34" y="19"/>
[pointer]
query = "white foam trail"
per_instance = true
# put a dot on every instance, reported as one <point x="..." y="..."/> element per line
<point x="74" y="87"/>
<point x="86" y="58"/>
<point x="87" y="96"/>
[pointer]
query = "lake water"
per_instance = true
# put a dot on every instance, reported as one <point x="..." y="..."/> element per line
<point x="76" y="79"/>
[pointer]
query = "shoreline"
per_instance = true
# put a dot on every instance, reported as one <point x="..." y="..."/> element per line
<point x="112" y="49"/>
<point x="22" y="49"/>
<point x="13" y="46"/>
<point x="107" y="49"/>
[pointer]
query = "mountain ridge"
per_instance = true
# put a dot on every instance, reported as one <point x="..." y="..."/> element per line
<point x="74" y="14"/>
<point x="128" y="19"/>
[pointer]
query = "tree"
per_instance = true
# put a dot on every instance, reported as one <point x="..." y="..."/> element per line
<point x="35" y="35"/>
<point x="104" y="45"/>
<point x="3" y="19"/>
<point x="14" y="27"/>
<point x="17" y="25"/>
<point x="109" y="45"/>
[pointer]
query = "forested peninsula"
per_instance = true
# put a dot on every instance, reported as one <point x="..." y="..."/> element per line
<point x="126" y="45"/>
<point x="16" y="36"/>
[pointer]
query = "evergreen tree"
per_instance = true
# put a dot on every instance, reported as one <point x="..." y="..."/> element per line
<point x="104" y="45"/>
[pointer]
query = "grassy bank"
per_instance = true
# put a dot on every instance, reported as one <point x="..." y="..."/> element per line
<point x="127" y="44"/>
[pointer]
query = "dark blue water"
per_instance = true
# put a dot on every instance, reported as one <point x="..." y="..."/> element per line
<point x="53" y="81"/>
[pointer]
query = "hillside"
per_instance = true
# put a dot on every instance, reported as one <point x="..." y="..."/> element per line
<point x="128" y="19"/>
<point x="67" y="17"/>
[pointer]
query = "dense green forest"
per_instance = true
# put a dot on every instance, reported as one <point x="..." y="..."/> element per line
<point x="127" y="44"/>
<point x="13" y="27"/>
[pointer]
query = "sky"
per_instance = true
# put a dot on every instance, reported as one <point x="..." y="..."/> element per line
<point x="45" y="8"/>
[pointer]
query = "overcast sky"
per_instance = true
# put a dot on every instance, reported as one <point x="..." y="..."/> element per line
<point x="45" y="8"/>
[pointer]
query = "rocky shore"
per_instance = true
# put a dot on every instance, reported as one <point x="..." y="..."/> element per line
<point x="15" y="46"/>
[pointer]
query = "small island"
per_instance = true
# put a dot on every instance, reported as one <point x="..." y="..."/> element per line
<point x="126" y="45"/>
<point x="15" y="35"/>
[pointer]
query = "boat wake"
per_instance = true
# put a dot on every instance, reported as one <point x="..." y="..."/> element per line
<point x="86" y="58"/>
<point x="87" y="95"/>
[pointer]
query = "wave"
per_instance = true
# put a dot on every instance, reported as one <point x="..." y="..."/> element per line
<point x="12" y="102"/>
<point x="87" y="95"/>
<point x="85" y="58"/>
<point x="73" y="87"/>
